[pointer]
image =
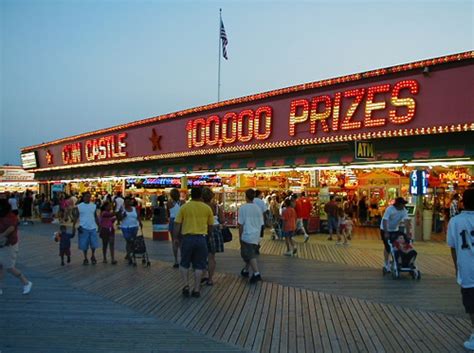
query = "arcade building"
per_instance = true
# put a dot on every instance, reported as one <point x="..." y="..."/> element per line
<point x="406" y="130"/>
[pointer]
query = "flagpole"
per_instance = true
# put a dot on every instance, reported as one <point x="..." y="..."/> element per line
<point x="219" y="55"/>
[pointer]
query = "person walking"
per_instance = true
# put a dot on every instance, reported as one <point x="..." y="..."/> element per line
<point x="363" y="210"/>
<point x="215" y="242"/>
<point x="194" y="221"/>
<point x="303" y="211"/>
<point x="454" y="206"/>
<point x="9" y="246"/>
<point x="173" y="206"/>
<point x="107" y="231"/>
<point x="85" y="213"/>
<point x="250" y="221"/>
<point x="331" y="210"/>
<point x="459" y="239"/>
<point x="131" y="221"/>
<point x="390" y="224"/>
<point x="289" y="226"/>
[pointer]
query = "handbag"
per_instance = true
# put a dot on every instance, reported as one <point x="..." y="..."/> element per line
<point x="226" y="234"/>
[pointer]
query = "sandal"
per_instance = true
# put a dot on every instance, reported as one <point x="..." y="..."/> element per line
<point x="186" y="292"/>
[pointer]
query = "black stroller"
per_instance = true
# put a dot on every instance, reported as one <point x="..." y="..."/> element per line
<point x="139" y="251"/>
<point x="402" y="262"/>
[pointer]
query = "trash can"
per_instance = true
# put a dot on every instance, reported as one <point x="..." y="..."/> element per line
<point x="160" y="231"/>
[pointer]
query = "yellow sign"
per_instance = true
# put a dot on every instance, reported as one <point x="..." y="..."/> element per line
<point x="364" y="150"/>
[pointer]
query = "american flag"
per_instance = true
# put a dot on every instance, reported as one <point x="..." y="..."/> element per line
<point x="224" y="41"/>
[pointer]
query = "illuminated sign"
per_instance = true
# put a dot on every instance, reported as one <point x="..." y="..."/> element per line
<point x="320" y="109"/>
<point x="102" y="148"/>
<point x="152" y="183"/>
<point x="419" y="182"/>
<point x="245" y="126"/>
<point x="29" y="160"/>
<point x="364" y="150"/>
<point x="381" y="104"/>
<point x="106" y="147"/>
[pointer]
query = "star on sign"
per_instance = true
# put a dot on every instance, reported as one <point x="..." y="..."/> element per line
<point x="155" y="140"/>
<point x="49" y="157"/>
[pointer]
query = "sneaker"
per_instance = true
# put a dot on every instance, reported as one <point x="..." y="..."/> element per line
<point x="68" y="259"/>
<point x="244" y="273"/>
<point x="288" y="253"/>
<point x="176" y="266"/>
<point x="329" y="238"/>
<point x="195" y="294"/>
<point x="295" y="250"/>
<point x="27" y="288"/>
<point x="306" y="238"/>
<point x="338" y="243"/>
<point x="62" y="263"/>
<point x="470" y="343"/>
<point x="85" y="262"/>
<point x="93" y="260"/>
<point x="255" y="279"/>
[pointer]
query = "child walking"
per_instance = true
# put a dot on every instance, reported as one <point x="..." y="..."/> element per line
<point x="107" y="232"/>
<point x="64" y="239"/>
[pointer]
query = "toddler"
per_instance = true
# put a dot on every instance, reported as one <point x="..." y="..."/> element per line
<point x="64" y="239"/>
<point x="405" y="254"/>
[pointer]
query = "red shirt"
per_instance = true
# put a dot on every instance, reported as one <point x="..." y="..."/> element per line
<point x="303" y="207"/>
<point x="405" y="247"/>
<point x="289" y="219"/>
<point x="10" y="220"/>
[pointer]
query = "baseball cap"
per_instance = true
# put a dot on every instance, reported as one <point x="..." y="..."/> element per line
<point x="400" y="201"/>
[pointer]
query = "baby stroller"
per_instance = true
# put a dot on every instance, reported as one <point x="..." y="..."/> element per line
<point x="139" y="251"/>
<point x="400" y="261"/>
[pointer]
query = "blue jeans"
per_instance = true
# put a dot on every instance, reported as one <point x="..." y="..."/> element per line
<point x="332" y="224"/>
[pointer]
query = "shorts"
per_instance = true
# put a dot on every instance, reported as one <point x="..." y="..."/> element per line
<point x="8" y="256"/>
<point x="248" y="251"/>
<point x="333" y="223"/>
<point x="215" y="242"/>
<point x="107" y="233"/>
<point x="468" y="299"/>
<point x="288" y="234"/>
<point x="129" y="233"/>
<point x="171" y="226"/>
<point x="65" y="252"/>
<point x="88" y="238"/>
<point x="194" y="251"/>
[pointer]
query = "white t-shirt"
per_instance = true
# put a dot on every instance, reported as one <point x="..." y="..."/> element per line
<point x="13" y="203"/>
<point x="251" y="218"/>
<point x="461" y="232"/>
<point x="87" y="215"/>
<point x="131" y="219"/>
<point x="260" y="203"/>
<point x="393" y="218"/>
<point x="119" y="201"/>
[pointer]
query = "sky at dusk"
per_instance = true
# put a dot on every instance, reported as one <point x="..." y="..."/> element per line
<point x="72" y="66"/>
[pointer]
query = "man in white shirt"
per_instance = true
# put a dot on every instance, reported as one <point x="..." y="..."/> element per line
<point x="85" y="212"/>
<point x="461" y="241"/>
<point x="393" y="216"/>
<point x="250" y="222"/>
<point x="258" y="200"/>
<point x="13" y="203"/>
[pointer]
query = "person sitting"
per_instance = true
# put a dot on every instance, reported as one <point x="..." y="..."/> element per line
<point x="405" y="254"/>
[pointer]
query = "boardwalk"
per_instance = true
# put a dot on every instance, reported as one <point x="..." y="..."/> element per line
<point x="289" y="312"/>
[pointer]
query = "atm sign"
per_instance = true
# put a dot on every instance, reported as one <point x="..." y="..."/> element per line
<point x="364" y="150"/>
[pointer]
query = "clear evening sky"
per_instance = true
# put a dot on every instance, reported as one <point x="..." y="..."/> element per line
<point x="73" y="66"/>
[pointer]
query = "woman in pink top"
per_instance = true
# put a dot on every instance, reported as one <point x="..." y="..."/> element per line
<point x="107" y="233"/>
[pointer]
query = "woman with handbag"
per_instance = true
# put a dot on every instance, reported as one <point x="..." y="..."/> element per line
<point x="215" y="242"/>
<point x="129" y="226"/>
